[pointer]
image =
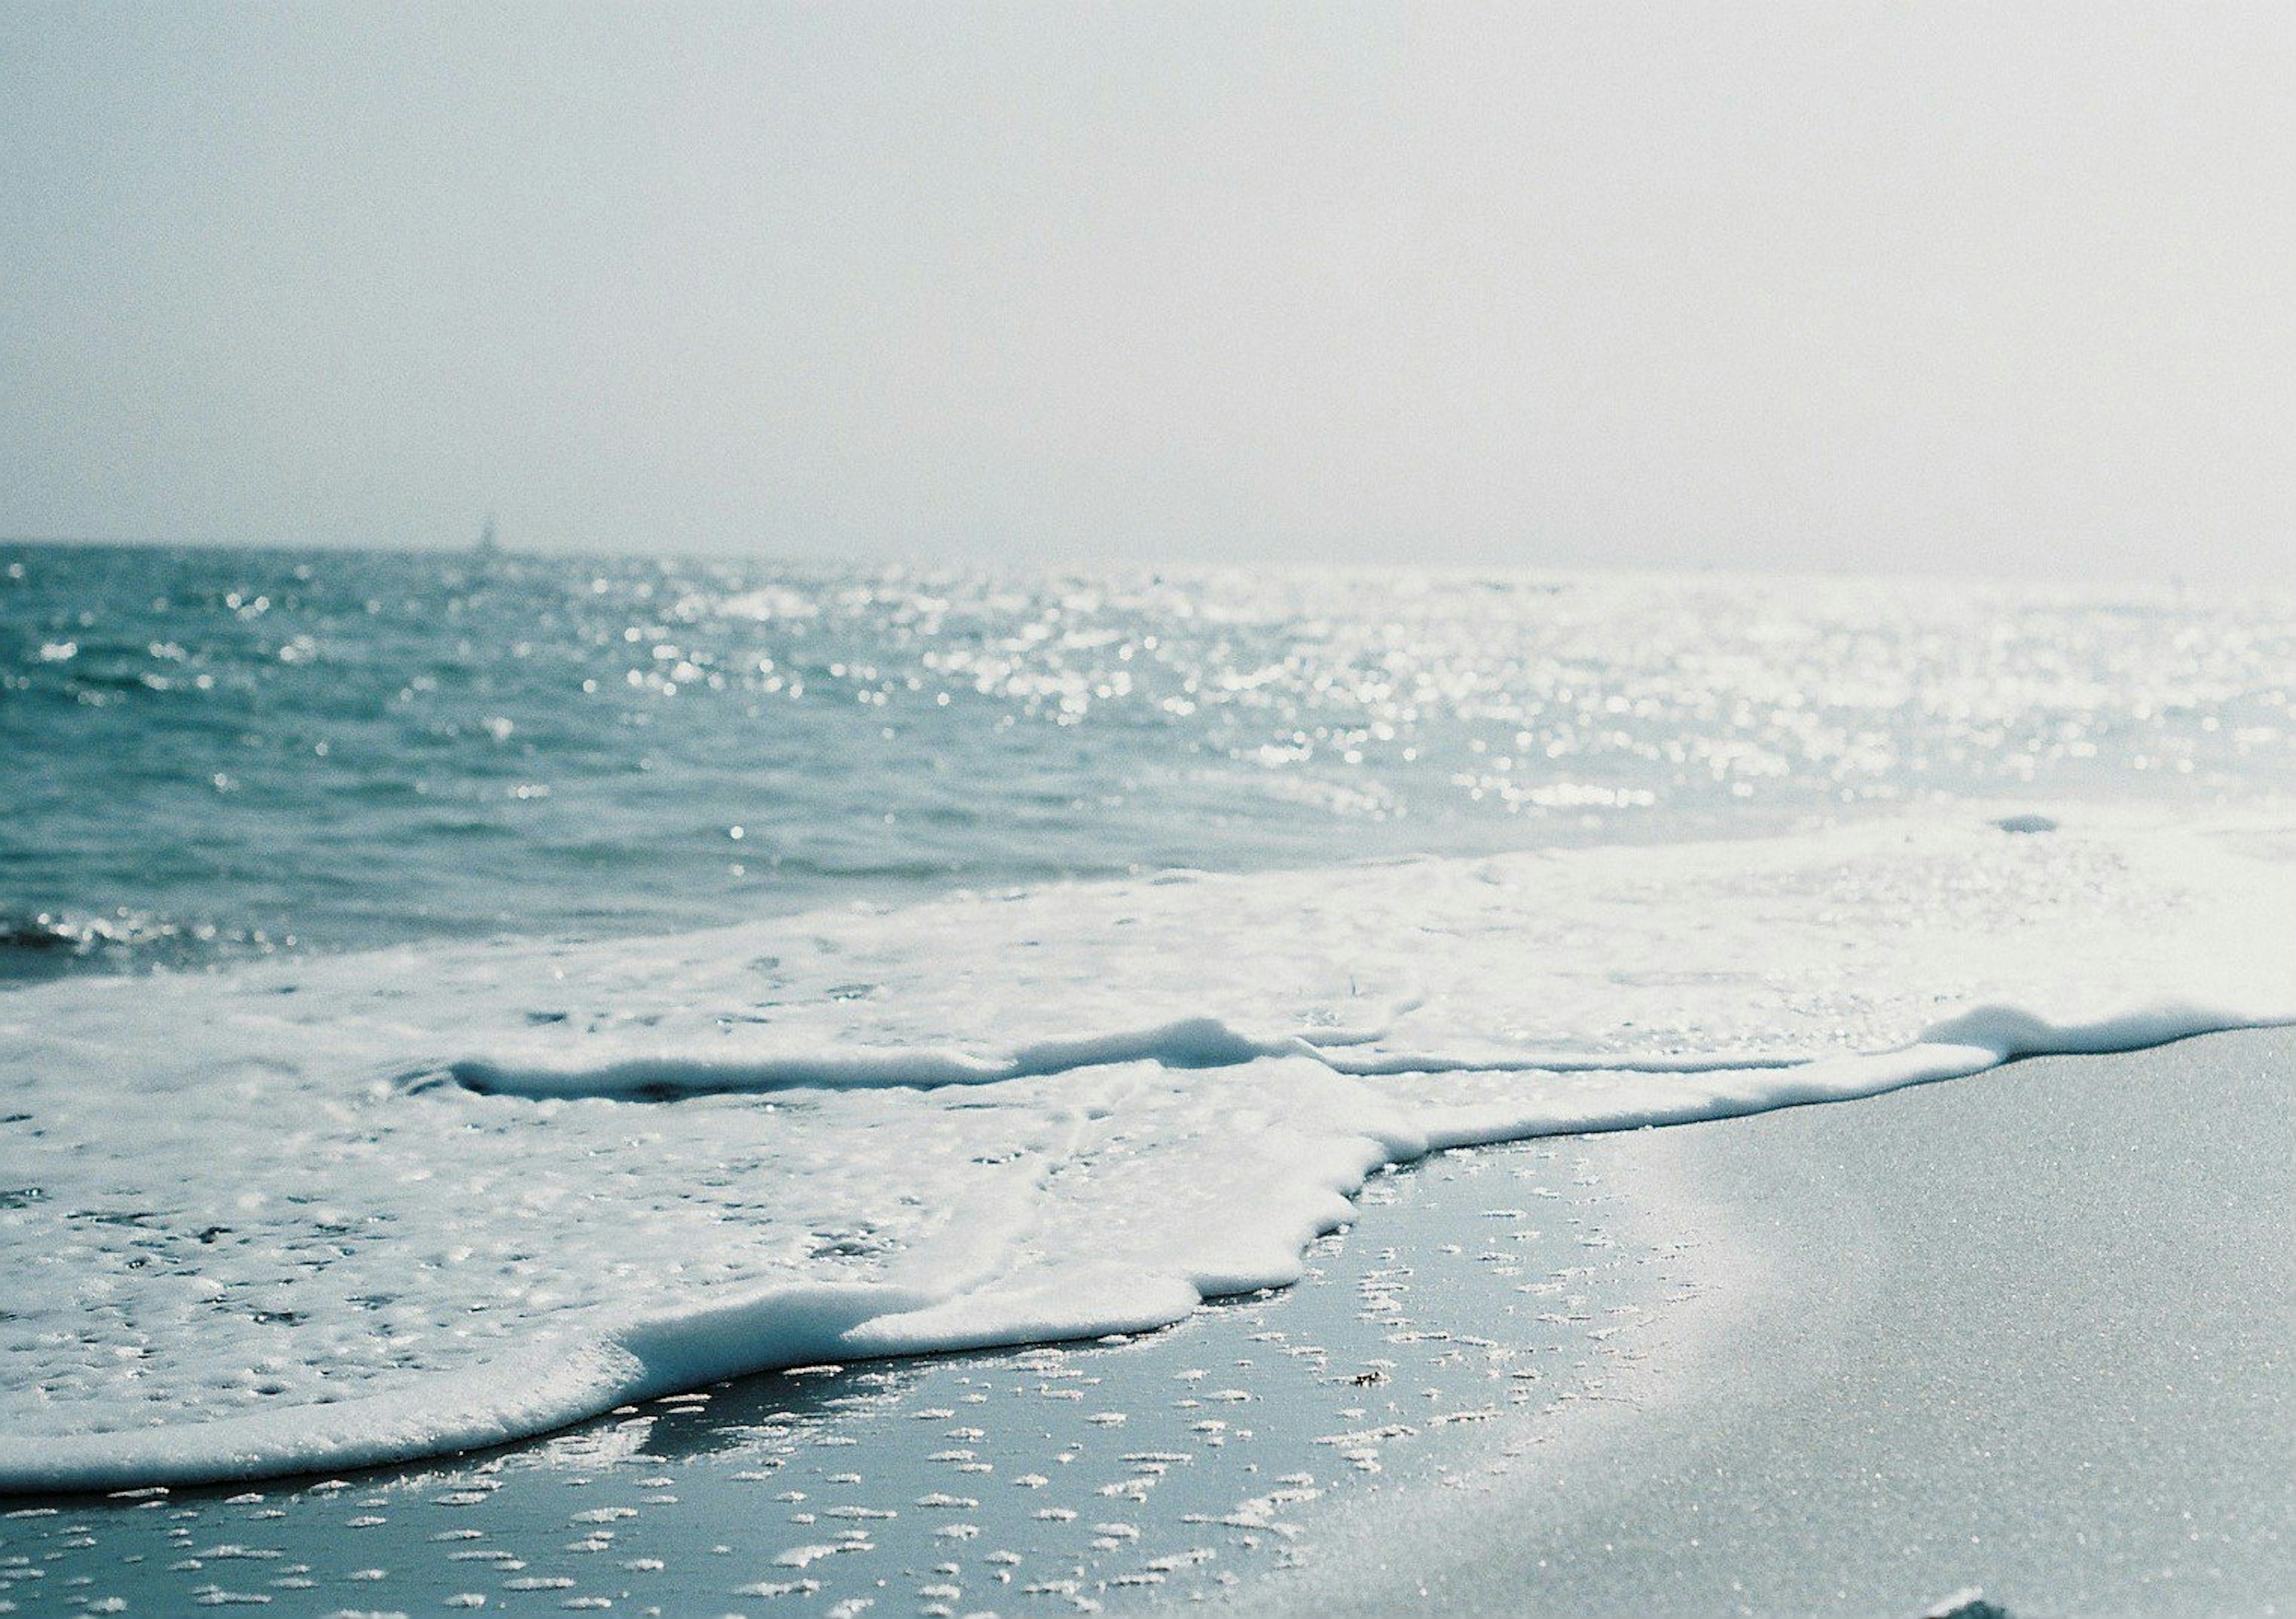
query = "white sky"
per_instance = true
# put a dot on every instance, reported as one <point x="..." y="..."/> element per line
<point x="1986" y="288"/>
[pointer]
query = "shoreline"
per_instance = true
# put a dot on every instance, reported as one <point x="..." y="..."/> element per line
<point x="2027" y="1332"/>
<point x="1476" y="1290"/>
<point x="1826" y="1360"/>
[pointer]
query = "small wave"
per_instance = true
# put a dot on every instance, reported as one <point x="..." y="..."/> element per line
<point x="975" y="1121"/>
<point x="1189" y="1042"/>
<point x="494" y="1403"/>
<point x="50" y="943"/>
<point x="535" y="1390"/>
<point x="1185" y="1043"/>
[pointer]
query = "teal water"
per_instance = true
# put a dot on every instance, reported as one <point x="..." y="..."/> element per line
<point x="217" y="753"/>
<point x="671" y="973"/>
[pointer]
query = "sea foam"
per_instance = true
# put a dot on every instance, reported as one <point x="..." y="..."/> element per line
<point x="331" y="1212"/>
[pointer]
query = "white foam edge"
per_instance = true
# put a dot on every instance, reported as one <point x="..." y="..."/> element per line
<point x="534" y="1392"/>
<point x="1186" y="1042"/>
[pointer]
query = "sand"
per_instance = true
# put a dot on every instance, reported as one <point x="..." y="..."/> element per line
<point x="2032" y="1332"/>
<point x="2027" y="1331"/>
<point x="1482" y="1288"/>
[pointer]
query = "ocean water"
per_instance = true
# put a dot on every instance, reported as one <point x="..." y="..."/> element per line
<point x="446" y="996"/>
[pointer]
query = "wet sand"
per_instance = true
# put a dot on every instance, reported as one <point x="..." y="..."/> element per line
<point x="2029" y="1332"/>
<point x="1480" y="1291"/>
<point x="2032" y="1332"/>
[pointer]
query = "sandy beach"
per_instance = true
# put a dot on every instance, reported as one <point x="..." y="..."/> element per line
<point x="1479" y="1290"/>
<point x="2026" y="1332"/>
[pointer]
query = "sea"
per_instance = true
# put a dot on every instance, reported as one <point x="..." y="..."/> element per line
<point x="445" y="995"/>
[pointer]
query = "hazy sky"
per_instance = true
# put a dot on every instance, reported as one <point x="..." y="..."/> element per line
<point x="1994" y="287"/>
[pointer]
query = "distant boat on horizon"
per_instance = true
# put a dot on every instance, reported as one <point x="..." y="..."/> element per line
<point x="489" y="545"/>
